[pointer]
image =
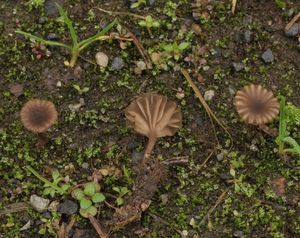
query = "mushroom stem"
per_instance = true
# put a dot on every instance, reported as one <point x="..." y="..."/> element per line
<point x="151" y="143"/>
<point x="270" y="131"/>
<point x="42" y="140"/>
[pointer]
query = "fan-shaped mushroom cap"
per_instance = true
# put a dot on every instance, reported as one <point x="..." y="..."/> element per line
<point x="38" y="115"/>
<point x="256" y="105"/>
<point x="153" y="114"/>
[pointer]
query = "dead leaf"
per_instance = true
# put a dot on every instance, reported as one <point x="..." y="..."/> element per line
<point x="278" y="185"/>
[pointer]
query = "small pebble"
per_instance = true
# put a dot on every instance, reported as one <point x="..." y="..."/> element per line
<point x="38" y="203"/>
<point x="101" y="59"/>
<point x="220" y="156"/>
<point x="117" y="63"/>
<point x="247" y="36"/>
<point x="50" y="7"/>
<point x="42" y="20"/>
<point x="85" y="165"/>
<point x="68" y="207"/>
<point x="238" y="66"/>
<point x="16" y="89"/>
<point x="209" y="94"/>
<point x="53" y="37"/>
<point x="238" y="234"/>
<point x="293" y="31"/>
<point x="267" y="56"/>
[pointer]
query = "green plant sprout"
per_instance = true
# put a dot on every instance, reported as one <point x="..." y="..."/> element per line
<point x="122" y="191"/>
<point x="175" y="50"/>
<point x="138" y="3"/>
<point x="35" y="4"/>
<point x="289" y="116"/>
<point x="87" y="197"/>
<point x="149" y="23"/>
<point x="81" y="90"/>
<point x="76" y="46"/>
<point x="51" y="188"/>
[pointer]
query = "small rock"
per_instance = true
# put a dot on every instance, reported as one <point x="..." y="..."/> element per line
<point x="117" y="63"/>
<point x="53" y="37"/>
<point x="68" y="207"/>
<point x="50" y="7"/>
<point x="53" y="206"/>
<point x="225" y="176"/>
<point x="238" y="234"/>
<point x="38" y="203"/>
<point x="42" y="20"/>
<point x="238" y="36"/>
<point x="16" y="89"/>
<point x="247" y="36"/>
<point x="209" y="94"/>
<point x="47" y="215"/>
<point x="101" y="59"/>
<point x="137" y="157"/>
<point x="238" y="66"/>
<point x="132" y="145"/>
<point x="85" y="165"/>
<point x="267" y="56"/>
<point x="140" y="66"/>
<point x="196" y="29"/>
<point x="26" y="226"/>
<point x="293" y="31"/>
<point x="220" y="156"/>
<point x="155" y="57"/>
<point x="151" y="2"/>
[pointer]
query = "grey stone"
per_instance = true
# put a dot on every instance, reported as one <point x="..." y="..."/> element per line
<point x="267" y="56"/>
<point x="220" y="157"/>
<point x="238" y="36"/>
<point x="38" y="203"/>
<point x="68" y="207"/>
<point x="225" y="176"/>
<point x="42" y="20"/>
<point x="53" y="37"/>
<point x="238" y="234"/>
<point x="293" y="31"/>
<point x="137" y="157"/>
<point x="247" y="36"/>
<point x="117" y="63"/>
<point x="50" y="7"/>
<point x="151" y="2"/>
<point x="238" y="66"/>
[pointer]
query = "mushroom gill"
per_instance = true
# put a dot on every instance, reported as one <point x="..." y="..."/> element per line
<point x="38" y="115"/>
<point x="256" y="105"/>
<point x="154" y="116"/>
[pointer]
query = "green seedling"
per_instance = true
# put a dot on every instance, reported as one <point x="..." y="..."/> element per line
<point x="88" y="197"/>
<point x="175" y="50"/>
<point x="51" y="188"/>
<point x="81" y="90"/>
<point x="149" y="22"/>
<point x="76" y="46"/>
<point x="289" y="116"/>
<point x="138" y="3"/>
<point x="122" y="191"/>
<point x="35" y="4"/>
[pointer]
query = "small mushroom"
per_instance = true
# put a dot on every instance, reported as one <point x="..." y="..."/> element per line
<point x="154" y="116"/>
<point x="38" y="116"/>
<point x="256" y="105"/>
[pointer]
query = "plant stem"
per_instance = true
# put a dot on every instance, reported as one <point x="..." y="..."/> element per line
<point x="46" y="181"/>
<point x="75" y="54"/>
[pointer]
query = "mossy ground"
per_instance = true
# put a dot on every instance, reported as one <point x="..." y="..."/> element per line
<point x="97" y="134"/>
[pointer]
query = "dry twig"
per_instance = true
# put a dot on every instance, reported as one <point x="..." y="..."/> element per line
<point x="295" y="18"/>
<point x="98" y="228"/>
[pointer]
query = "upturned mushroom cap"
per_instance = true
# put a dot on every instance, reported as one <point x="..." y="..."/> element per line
<point x="153" y="115"/>
<point x="38" y="115"/>
<point x="256" y="105"/>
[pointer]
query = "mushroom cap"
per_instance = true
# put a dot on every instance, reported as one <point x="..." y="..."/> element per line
<point x="256" y="105"/>
<point x="38" y="115"/>
<point x="153" y="114"/>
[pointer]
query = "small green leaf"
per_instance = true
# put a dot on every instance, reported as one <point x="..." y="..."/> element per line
<point x="232" y="172"/>
<point x="183" y="45"/>
<point x="142" y="23"/>
<point x="47" y="191"/>
<point x="77" y="87"/>
<point x="119" y="201"/>
<point x="85" y="203"/>
<point x="156" y="24"/>
<point x="98" y="197"/>
<point x="78" y="194"/>
<point x="65" y="187"/>
<point x="52" y="193"/>
<point x="55" y="174"/>
<point x="168" y="48"/>
<point x="91" y="211"/>
<point x="89" y="189"/>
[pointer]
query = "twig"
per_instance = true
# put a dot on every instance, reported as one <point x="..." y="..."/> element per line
<point x="121" y="13"/>
<point x="295" y="18"/>
<point x="210" y="211"/>
<point x="65" y="229"/>
<point x="15" y="207"/>
<point x="98" y="227"/>
<point x="205" y="161"/>
<point x="141" y="49"/>
<point x="176" y="160"/>
<point x="164" y="222"/>
<point x="204" y="104"/>
<point x="233" y="6"/>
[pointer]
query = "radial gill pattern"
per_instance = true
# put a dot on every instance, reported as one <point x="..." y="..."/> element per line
<point x="256" y="105"/>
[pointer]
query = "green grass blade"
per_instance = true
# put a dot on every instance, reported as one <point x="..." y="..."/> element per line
<point x="293" y="143"/>
<point x="282" y="126"/>
<point x="41" y="40"/>
<point x="83" y="44"/>
<point x="69" y="24"/>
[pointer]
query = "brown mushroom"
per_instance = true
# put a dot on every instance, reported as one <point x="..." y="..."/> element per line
<point x="38" y="115"/>
<point x="256" y="105"/>
<point x="154" y="116"/>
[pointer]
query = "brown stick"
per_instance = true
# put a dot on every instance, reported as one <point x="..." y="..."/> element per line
<point x="141" y="49"/>
<point x="98" y="228"/>
<point x="295" y="18"/>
